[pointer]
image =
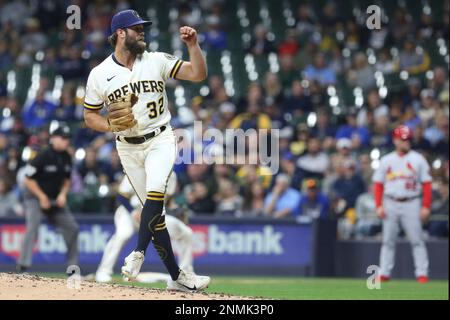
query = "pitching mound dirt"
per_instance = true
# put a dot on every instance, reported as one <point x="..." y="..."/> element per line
<point x="31" y="287"/>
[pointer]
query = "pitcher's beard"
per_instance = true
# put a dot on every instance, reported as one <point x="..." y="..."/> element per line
<point x="135" y="47"/>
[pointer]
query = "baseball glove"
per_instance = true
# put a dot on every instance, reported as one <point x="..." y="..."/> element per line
<point x="120" y="113"/>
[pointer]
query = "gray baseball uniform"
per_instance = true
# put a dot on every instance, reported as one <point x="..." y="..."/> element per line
<point x="402" y="177"/>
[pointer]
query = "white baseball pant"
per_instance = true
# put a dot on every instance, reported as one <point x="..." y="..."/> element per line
<point x="408" y="215"/>
<point x="149" y="164"/>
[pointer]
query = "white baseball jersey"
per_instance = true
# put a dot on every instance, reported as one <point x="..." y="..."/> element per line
<point x="403" y="176"/>
<point x="111" y="80"/>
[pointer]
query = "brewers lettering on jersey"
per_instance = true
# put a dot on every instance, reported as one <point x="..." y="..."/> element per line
<point x="111" y="80"/>
<point x="131" y="83"/>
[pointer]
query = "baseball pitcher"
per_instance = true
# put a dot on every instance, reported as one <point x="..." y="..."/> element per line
<point x="131" y="84"/>
<point x="126" y="220"/>
<point x="399" y="183"/>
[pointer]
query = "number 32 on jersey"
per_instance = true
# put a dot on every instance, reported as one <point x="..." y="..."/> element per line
<point x="155" y="109"/>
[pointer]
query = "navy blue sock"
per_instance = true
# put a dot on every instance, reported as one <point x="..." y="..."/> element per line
<point x="153" y="227"/>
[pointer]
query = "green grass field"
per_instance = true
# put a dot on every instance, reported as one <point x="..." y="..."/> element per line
<point x="318" y="288"/>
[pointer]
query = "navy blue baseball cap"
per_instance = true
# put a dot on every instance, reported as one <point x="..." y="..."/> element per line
<point x="126" y="19"/>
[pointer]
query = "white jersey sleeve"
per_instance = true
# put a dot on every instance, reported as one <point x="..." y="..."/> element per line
<point x="424" y="171"/>
<point x="170" y="65"/>
<point x="93" y="99"/>
<point x="379" y="176"/>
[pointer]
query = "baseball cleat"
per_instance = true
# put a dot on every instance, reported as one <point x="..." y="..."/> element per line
<point x="188" y="282"/>
<point x="132" y="266"/>
<point x="382" y="278"/>
<point x="422" y="279"/>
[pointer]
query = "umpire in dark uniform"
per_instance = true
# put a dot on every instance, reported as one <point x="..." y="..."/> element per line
<point x="47" y="182"/>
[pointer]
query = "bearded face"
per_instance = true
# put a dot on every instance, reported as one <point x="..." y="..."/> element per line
<point x="134" y="42"/>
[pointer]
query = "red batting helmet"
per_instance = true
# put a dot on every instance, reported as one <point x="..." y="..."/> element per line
<point x="403" y="132"/>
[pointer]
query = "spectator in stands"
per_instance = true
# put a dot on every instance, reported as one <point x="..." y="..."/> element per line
<point x="367" y="222"/>
<point x="9" y="203"/>
<point x="65" y="111"/>
<point x="306" y="54"/>
<point x="429" y="106"/>
<point x="419" y="142"/>
<point x="199" y="199"/>
<point x="360" y="136"/>
<point x="288" y="70"/>
<point x="290" y="45"/>
<point x="349" y="185"/>
<point x="338" y="63"/>
<point x="328" y="16"/>
<point x="39" y="112"/>
<point x="324" y="130"/>
<point x="378" y="38"/>
<point x="4" y="145"/>
<point x="354" y="40"/>
<point x="413" y="60"/>
<point x="299" y="145"/>
<point x="375" y="108"/>
<point x="112" y="169"/>
<point x="385" y="64"/>
<point x="227" y="112"/>
<point x="365" y="168"/>
<point x="320" y="71"/>
<point x="313" y="203"/>
<point x="315" y="162"/>
<point x="412" y="95"/>
<point x="273" y="89"/>
<point x="362" y="73"/>
<point x="401" y="25"/>
<point x="344" y="151"/>
<point x="33" y="39"/>
<point x="288" y="166"/>
<point x="260" y="43"/>
<point x="437" y="134"/>
<point x="90" y="169"/>
<point x="229" y="202"/>
<point x="305" y="24"/>
<point x="283" y="200"/>
<point x="255" y="95"/>
<point x="297" y="103"/>
<point x="70" y="64"/>
<point x="249" y="174"/>
<point x="215" y="37"/>
<point x="252" y="119"/>
<point x="199" y="173"/>
<point x="253" y="204"/>
<point x="285" y="136"/>
<point x="5" y="55"/>
<point x="439" y="82"/>
<point x="438" y="224"/>
<point x="425" y="27"/>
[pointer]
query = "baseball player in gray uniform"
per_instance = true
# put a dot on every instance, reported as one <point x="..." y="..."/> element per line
<point x="402" y="189"/>
<point x="131" y="82"/>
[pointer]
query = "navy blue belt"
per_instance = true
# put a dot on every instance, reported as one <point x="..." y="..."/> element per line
<point x="404" y="199"/>
<point x="142" y="139"/>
